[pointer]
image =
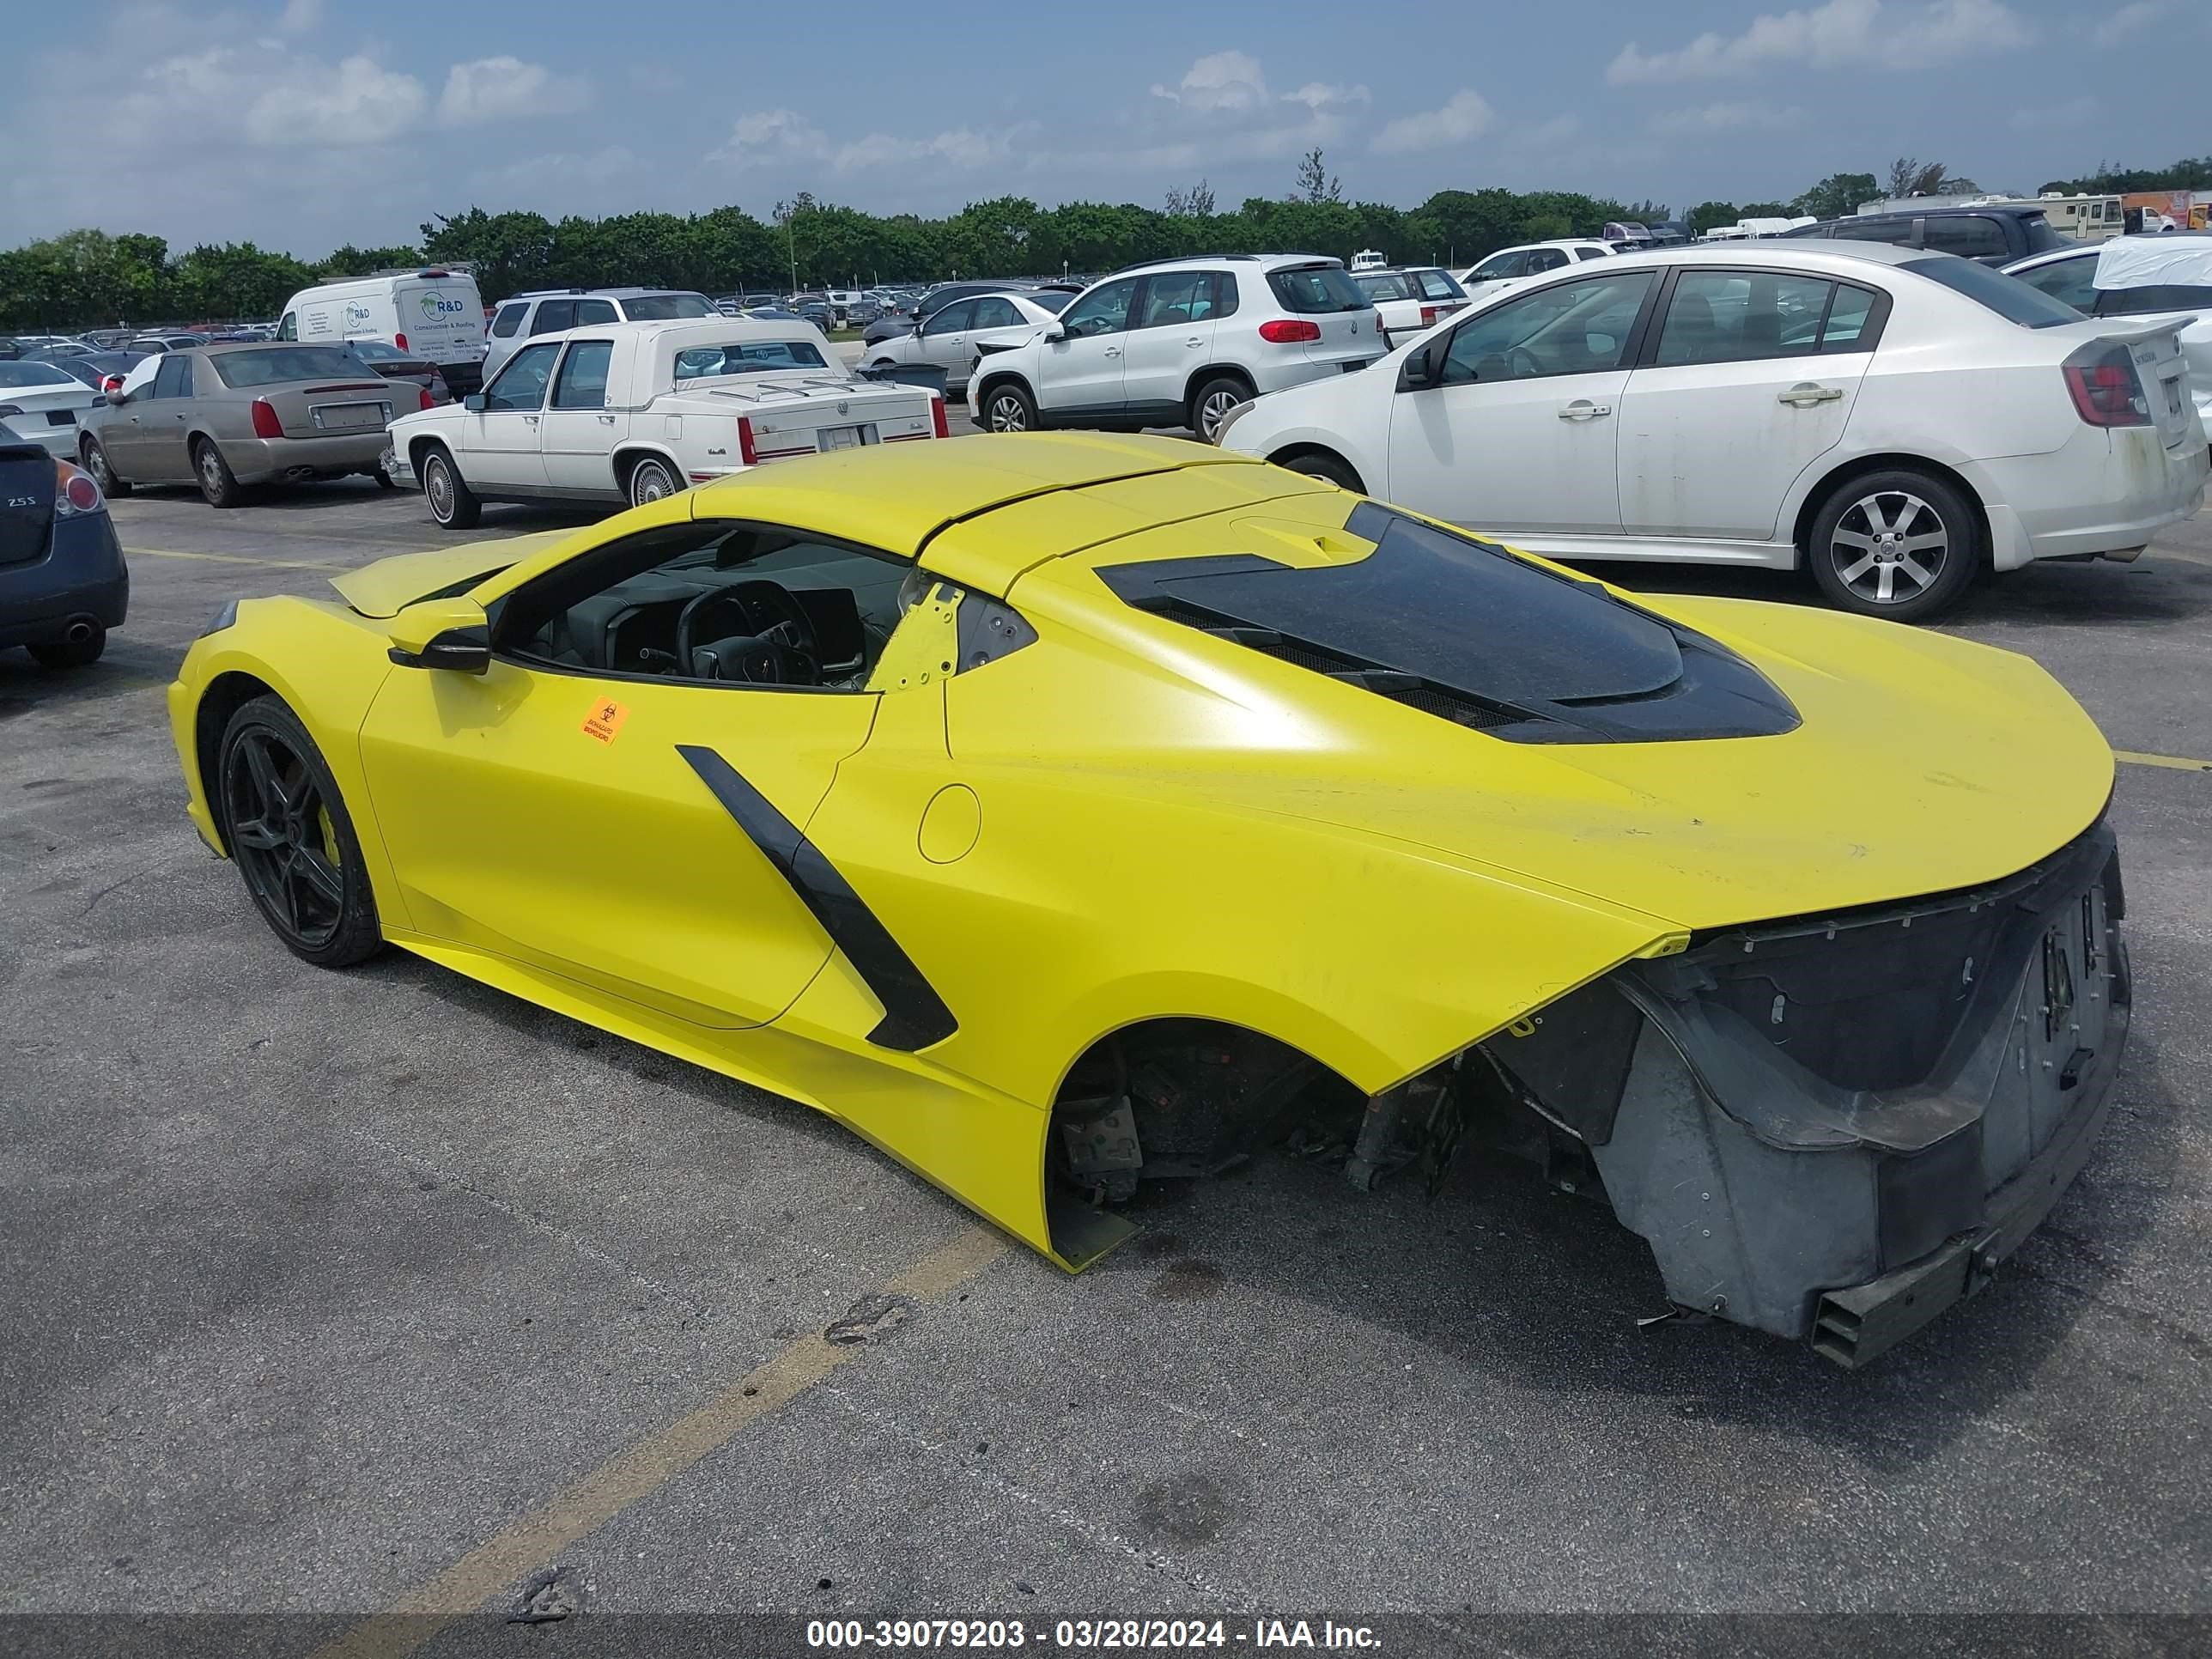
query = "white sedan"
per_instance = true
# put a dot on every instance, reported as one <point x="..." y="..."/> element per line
<point x="1510" y="267"/>
<point x="44" y="404"/>
<point x="954" y="337"/>
<point x="1896" y="419"/>
<point x="627" y="413"/>
<point x="2163" y="277"/>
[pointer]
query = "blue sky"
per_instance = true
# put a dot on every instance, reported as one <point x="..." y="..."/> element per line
<point x="302" y="123"/>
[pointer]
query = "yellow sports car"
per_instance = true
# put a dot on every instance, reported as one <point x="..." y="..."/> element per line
<point x="1063" y="811"/>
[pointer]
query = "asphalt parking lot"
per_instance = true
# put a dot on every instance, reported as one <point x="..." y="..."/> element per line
<point x="336" y="1295"/>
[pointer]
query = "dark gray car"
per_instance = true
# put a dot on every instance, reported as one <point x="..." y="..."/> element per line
<point x="63" y="582"/>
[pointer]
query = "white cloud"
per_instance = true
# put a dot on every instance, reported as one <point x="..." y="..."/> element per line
<point x="765" y="137"/>
<point x="354" y="103"/>
<point x="299" y="16"/>
<point x="1839" y="34"/>
<point x="2130" y="19"/>
<point x="1465" y="115"/>
<point x="1704" y="118"/>
<point x="1317" y="95"/>
<point x="506" y="88"/>
<point x="1229" y="81"/>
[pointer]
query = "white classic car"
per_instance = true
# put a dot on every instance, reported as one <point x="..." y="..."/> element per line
<point x="631" y="412"/>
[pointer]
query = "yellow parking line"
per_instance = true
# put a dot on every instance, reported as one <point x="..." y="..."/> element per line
<point x="2174" y="760"/>
<point x="532" y="1542"/>
<point x="235" y="558"/>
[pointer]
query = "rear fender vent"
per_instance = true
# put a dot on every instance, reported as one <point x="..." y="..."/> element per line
<point x="1445" y="701"/>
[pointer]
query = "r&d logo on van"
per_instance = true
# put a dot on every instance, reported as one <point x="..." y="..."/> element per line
<point x="436" y="306"/>
<point x="356" y="314"/>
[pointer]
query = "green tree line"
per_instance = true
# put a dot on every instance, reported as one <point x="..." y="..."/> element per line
<point x="90" y="279"/>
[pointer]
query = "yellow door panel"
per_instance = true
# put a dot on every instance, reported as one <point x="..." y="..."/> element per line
<point x="555" y="819"/>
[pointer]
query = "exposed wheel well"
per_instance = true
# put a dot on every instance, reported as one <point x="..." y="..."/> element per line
<point x="984" y="385"/>
<point x="1817" y="497"/>
<point x="419" y="450"/>
<point x="626" y="462"/>
<point x="1179" y="1097"/>
<point x="1215" y="373"/>
<point x="1295" y="452"/>
<point x="226" y="695"/>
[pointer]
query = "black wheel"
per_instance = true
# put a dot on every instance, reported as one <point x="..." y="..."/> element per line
<point x="71" y="654"/>
<point x="286" y="829"/>
<point x="384" y="480"/>
<point x="1899" y="545"/>
<point x="653" y="480"/>
<point x="1211" y="403"/>
<point x="93" y="457"/>
<point x="453" y="503"/>
<point x="1007" y="408"/>
<point x="216" y="483"/>
<point x="1315" y="464"/>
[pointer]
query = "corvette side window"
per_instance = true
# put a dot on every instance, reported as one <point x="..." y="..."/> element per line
<point x="712" y="602"/>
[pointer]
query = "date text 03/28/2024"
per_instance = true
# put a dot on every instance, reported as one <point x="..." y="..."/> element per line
<point x="1088" y="1634"/>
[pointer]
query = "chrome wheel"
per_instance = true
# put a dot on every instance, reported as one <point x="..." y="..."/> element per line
<point x="282" y="836"/>
<point x="1213" y="409"/>
<point x="95" y="462"/>
<point x="1007" y="413"/>
<point x="211" y="472"/>
<point x="438" y="488"/>
<point x="1889" y="547"/>
<point x="650" y="481"/>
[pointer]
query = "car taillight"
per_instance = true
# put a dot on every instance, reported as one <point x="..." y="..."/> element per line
<point x="1289" y="331"/>
<point x="941" y="425"/>
<point x="748" y="452"/>
<point x="425" y="400"/>
<point x="2106" y="390"/>
<point x="111" y="383"/>
<point x="400" y="340"/>
<point x="265" y="423"/>
<point x="1428" y="316"/>
<point x="74" y="492"/>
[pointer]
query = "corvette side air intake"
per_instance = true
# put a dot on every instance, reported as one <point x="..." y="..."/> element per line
<point x="1834" y="1127"/>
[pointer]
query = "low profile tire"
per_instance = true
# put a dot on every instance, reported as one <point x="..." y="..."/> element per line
<point x="653" y="480"/>
<point x="1211" y="403"/>
<point x="71" y="654"/>
<point x="288" y="831"/>
<point x="92" y="455"/>
<point x="1901" y="544"/>
<point x="216" y="482"/>
<point x="1328" y="468"/>
<point x="453" y="503"/>
<point x="1007" y="408"/>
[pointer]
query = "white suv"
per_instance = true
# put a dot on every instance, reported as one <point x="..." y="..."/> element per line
<point x="521" y="316"/>
<point x="1181" y="342"/>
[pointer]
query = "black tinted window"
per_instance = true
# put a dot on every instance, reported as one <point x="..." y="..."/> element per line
<point x="997" y="312"/>
<point x="173" y="379"/>
<point x="504" y="325"/>
<point x="2041" y="238"/>
<point x="589" y="312"/>
<point x="951" y="320"/>
<point x="664" y="308"/>
<point x="1224" y="293"/>
<point x="1895" y="232"/>
<point x="2161" y="296"/>
<point x="1736" y="316"/>
<point x="554" y="315"/>
<point x="1969" y="235"/>
<point x="1311" y="289"/>
<point x="2010" y="298"/>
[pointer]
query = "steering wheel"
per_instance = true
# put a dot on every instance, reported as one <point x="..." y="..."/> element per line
<point x="1523" y="364"/>
<point x="765" y="610"/>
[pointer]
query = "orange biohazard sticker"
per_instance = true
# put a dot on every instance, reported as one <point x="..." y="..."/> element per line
<point x="605" y="720"/>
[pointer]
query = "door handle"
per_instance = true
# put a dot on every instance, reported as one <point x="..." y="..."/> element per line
<point x="1111" y="351"/>
<point x="607" y="420"/>
<point x="1583" y="410"/>
<point x="531" y="419"/>
<point x="1805" y="395"/>
<point x="1195" y="340"/>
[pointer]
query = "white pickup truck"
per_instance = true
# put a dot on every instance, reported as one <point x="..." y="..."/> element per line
<point x="629" y="412"/>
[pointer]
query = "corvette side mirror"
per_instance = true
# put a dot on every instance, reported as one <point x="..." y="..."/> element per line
<point x="450" y="634"/>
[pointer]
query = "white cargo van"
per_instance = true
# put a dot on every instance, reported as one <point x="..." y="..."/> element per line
<point x="430" y="313"/>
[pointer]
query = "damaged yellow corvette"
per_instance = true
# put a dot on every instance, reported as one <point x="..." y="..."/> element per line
<point x="1062" y="812"/>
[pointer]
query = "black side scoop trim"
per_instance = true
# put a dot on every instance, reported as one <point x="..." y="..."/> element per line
<point x="914" y="1015"/>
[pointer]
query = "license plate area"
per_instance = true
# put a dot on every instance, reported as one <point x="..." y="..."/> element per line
<point x="350" y="417"/>
<point x="829" y="438"/>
